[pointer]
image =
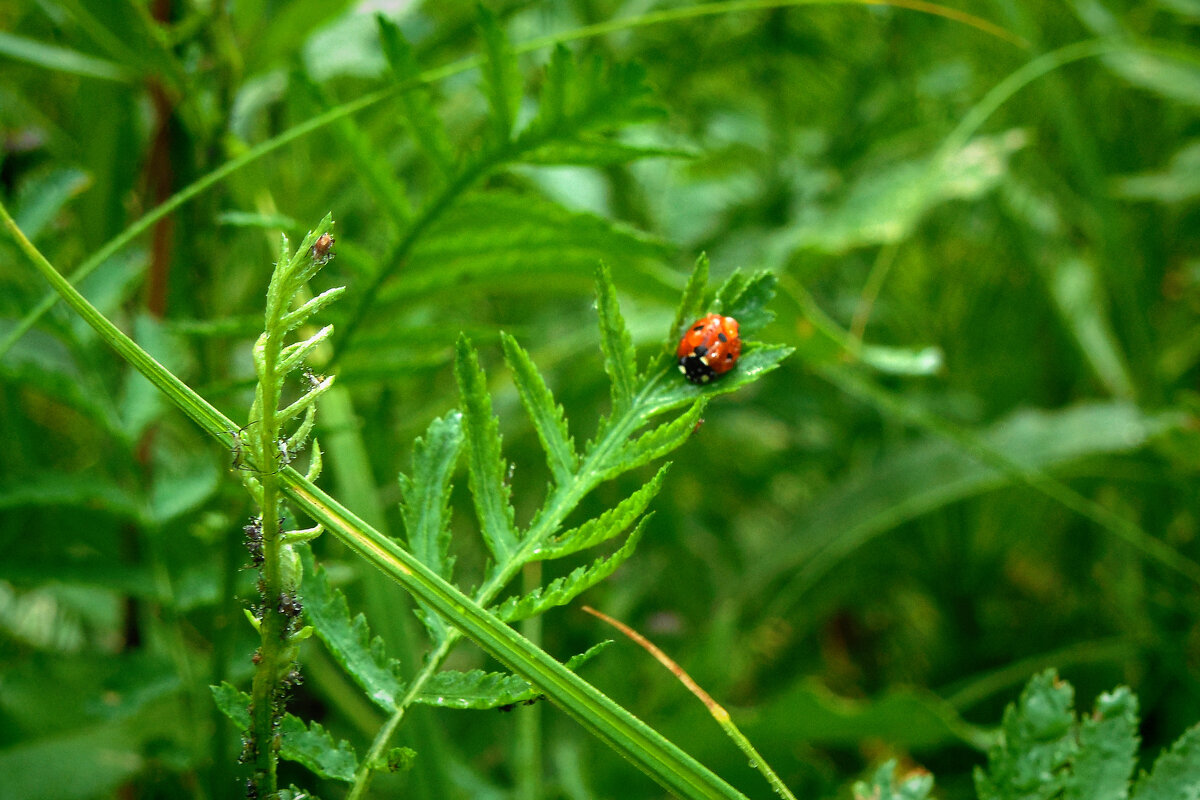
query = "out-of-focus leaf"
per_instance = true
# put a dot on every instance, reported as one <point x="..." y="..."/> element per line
<point x="349" y="640"/>
<point x="426" y="126"/>
<point x="1167" y="77"/>
<point x="930" y="474"/>
<point x="489" y="490"/>
<point x="73" y="766"/>
<point x="883" y="785"/>
<point x="82" y="490"/>
<point x="906" y="718"/>
<point x="902" y="360"/>
<point x="585" y="96"/>
<point x="252" y="219"/>
<point x="588" y="152"/>
<point x="1075" y="288"/>
<point x="1178" y="183"/>
<point x="62" y="59"/>
<point x="501" y="77"/>
<point x="502" y="235"/>
<point x="41" y="198"/>
<point x="883" y="207"/>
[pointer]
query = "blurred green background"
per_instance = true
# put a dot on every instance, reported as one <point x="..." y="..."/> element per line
<point x="981" y="461"/>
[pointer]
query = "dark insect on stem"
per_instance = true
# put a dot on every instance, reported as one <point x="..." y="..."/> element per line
<point x="290" y="605"/>
<point x="238" y="451"/>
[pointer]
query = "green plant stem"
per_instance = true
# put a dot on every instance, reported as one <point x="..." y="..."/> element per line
<point x="141" y="225"/>
<point x="528" y="749"/>
<point x="647" y="749"/>
<point x="566" y="496"/>
<point x="273" y="654"/>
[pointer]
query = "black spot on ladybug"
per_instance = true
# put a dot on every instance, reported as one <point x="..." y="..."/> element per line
<point x="722" y="338"/>
<point x="700" y="351"/>
<point x="698" y="328"/>
<point x="729" y="356"/>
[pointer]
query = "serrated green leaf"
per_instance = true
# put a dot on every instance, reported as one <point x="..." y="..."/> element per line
<point x="481" y="690"/>
<point x="1176" y="773"/>
<point x="745" y="299"/>
<point x="426" y="496"/>
<point x="501" y="77"/>
<point x="486" y="225"/>
<point x="349" y="640"/>
<point x="563" y="590"/>
<point x="426" y="126"/>
<point x="604" y="527"/>
<point x="486" y="474"/>
<point x="310" y="745"/>
<point x="691" y="305"/>
<point x="426" y="502"/>
<point x="474" y="689"/>
<point x="314" y="747"/>
<point x="1108" y="744"/>
<point x="883" y="785"/>
<point x="655" y="443"/>
<point x="620" y="362"/>
<point x="673" y="390"/>
<point x="1038" y="743"/>
<point x="549" y="420"/>
<point x="588" y="96"/>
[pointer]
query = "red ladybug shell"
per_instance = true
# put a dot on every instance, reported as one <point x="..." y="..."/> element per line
<point x="709" y="348"/>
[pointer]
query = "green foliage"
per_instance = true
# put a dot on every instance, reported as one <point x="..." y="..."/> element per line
<point x="1046" y="751"/>
<point x="981" y="462"/>
<point x="310" y="745"/>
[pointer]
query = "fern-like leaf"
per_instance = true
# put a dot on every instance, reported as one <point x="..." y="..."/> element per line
<point x="310" y="745"/>
<point x="426" y="502"/>
<point x="691" y="305"/>
<point x="486" y="472"/>
<point x="423" y="121"/>
<point x="564" y="590"/>
<point x="655" y="443"/>
<point x="501" y="78"/>
<point x="579" y="99"/>
<point x="548" y="418"/>
<point x="746" y="299"/>
<point x="620" y="361"/>
<point x="604" y="527"/>
<point x="481" y="690"/>
<point x="349" y="640"/>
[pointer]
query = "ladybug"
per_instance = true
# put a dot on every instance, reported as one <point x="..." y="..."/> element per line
<point x="709" y="349"/>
